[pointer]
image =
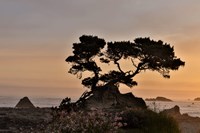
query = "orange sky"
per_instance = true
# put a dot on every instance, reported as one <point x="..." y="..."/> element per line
<point x="37" y="36"/>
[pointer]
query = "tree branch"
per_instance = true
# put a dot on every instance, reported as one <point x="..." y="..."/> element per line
<point x="138" y="69"/>
<point x="96" y="73"/>
<point x="133" y="63"/>
<point x="118" y="66"/>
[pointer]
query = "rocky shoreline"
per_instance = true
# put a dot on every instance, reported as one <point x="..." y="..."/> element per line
<point x="15" y="120"/>
<point x="187" y="124"/>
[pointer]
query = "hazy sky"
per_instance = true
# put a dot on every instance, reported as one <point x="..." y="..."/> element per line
<point x="37" y="35"/>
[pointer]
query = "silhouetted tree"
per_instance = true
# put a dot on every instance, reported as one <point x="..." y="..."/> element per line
<point x="144" y="54"/>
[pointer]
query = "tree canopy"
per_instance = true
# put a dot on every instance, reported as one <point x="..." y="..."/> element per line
<point x="143" y="53"/>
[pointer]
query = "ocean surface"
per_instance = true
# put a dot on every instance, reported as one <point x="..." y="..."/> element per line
<point x="38" y="102"/>
<point x="192" y="108"/>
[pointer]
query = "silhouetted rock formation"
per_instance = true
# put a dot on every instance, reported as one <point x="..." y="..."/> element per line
<point x="173" y="111"/>
<point x="158" y="99"/>
<point x="109" y="96"/>
<point x="24" y="103"/>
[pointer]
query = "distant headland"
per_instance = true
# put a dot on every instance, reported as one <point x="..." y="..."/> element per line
<point x="159" y="99"/>
<point x="197" y="99"/>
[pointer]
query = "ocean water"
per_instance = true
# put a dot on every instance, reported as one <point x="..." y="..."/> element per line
<point x="38" y="102"/>
<point x="192" y="108"/>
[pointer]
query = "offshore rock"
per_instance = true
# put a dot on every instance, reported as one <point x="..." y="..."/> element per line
<point x="25" y="103"/>
<point x="159" y="99"/>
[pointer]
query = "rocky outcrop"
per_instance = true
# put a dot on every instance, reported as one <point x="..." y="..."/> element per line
<point x="109" y="96"/>
<point x="24" y="120"/>
<point x="24" y="103"/>
<point x="159" y="99"/>
<point x="173" y="111"/>
<point x="187" y="124"/>
<point x="197" y="99"/>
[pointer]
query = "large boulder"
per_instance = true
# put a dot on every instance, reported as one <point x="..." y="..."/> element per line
<point x="25" y="103"/>
<point x="109" y="96"/>
<point x="173" y="111"/>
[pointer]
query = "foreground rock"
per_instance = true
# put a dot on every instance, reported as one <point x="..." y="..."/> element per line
<point x="187" y="124"/>
<point x="109" y="97"/>
<point x="24" y="120"/>
<point x="25" y="103"/>
<point x="159" y="99"/>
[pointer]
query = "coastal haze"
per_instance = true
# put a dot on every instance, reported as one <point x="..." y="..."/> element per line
<point x="37" y="36"/>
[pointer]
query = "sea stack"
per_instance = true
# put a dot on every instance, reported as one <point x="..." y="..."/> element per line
<point x="24" y="103"/>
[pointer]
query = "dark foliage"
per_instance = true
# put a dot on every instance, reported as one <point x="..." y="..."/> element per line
<point x="143" y="53"/>
<point x="66" y="105"/>
<point x="83" y="58"/>
<point x="146" y="121"/>
<point x="69" y="106"/>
